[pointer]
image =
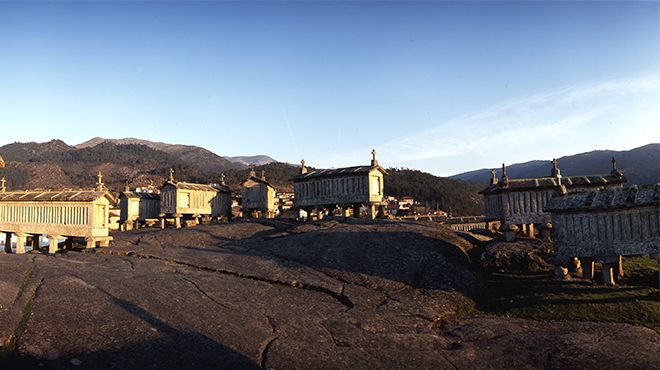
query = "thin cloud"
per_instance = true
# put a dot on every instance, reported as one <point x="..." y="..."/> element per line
<point x="532" y="119"/>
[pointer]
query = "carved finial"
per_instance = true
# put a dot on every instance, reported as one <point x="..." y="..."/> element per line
<point x="99" y="184"/>
<point x="505" y="177"/>
<point x="303" y="169"/>
<point x="493" y="177"/>
<point x="613" y="164"/>
<point x="126" y="187"/>
<point x="374" y="162"/>
<point x="555" y="172"/>
<point x="3" y="182"/>
<point x="252" y="173"/>
<point x="222" y="178"/>
<point x="171" y="179"/>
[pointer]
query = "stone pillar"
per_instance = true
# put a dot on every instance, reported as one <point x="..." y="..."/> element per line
<point x="7" y="242"/>
<point x="319" y="215"/>
<point x="136" y="224"/>
<point x="52" y="244"/>
<point x="177" y="221"/>
<point x="530" y="230"/>
<point x="356" y="210"/>
<point x="619" y="274"/>
<point x="196" y="218"/>
<point x="510" y="233"/>
<point x="91" y="243"/>
<point x="608" y="274"/>
<point x="546" y="232"/>
<point x="162" y="223"/>
<point x="20" y="243"/>
<point x="524" y="229"/>
<point x="346" y="212"/>
<point x="372" y="211"/>
<point x="587" y="268"/>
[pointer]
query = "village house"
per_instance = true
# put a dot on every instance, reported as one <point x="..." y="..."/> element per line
<point x="603" y="225"/>
<point x="192" y="203"/>
<point x="348" y="188"/>
<point x="59" y="214"/>
<point x="258" y="196"/>
<point x="518" y="203"/>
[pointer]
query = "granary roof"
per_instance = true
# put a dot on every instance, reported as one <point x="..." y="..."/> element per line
<point x="200" y="187"/>
<point x="67" y="195"/>
<point x="259" y="180"/>
<point x="338" y="172"/>
<point x="541" y="183"/>
<point x="140" y="194"/>
<point x="608" y="198"/>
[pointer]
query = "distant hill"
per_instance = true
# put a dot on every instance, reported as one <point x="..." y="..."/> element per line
<point x="204" y="158"/>
<point x="435" y="192"/>
<point x="258" y="160"/>
<point x="640" y="165"/>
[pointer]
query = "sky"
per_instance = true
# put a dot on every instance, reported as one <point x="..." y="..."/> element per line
<point x="444" y="87"/>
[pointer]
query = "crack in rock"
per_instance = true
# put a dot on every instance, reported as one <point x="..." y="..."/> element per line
<point x="341" y="298"/>
<point x="194" y="284"/>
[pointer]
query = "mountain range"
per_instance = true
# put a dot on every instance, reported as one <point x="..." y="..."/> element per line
<point x="55" y="164"/>
<point x="207" y="159"/>
<point x="640" y="166"/>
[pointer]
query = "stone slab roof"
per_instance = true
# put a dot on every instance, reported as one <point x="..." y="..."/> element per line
<point x="604" y="199"/>
<point x="547" y="183"/>
<point x="141" y="195"/>
<point x="338" y="172"/>
<point x="257" y="179"/>
<point x="200" y="187"/>
<point x="67" y="195"/>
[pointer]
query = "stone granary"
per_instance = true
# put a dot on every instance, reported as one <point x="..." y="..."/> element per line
<point x="518" y="203"/>
<point x="346" y="188"/>
<point x="57" y="214"/>
<point x="188" y="201"/>
<point x="138" y="208"/>
<point x="258" y="196"/>
<point x="604" y="224"/>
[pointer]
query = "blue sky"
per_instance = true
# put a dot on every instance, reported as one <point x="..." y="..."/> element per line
<point x="440" y="86"/>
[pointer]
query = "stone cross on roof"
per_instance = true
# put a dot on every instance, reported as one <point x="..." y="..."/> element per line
<point x="171" y="175"/>
<point x="222" y="178"/>
<point x="303" y="169"/>
<point x="613" y="164"/>
<point x="99" y="184"/>
<point x="252" y="173"/>
<point x="555" y="169"/>
<point x="493" y="177"/>
<point x="374" y="162"/>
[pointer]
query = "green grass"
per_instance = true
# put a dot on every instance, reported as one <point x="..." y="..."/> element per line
<point x="636" y="300"/>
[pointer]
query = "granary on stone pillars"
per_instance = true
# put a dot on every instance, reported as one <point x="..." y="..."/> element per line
<point x="58" y="214"/>
<point x="138" y="208"/>
<point x="518" y="203"/>
<point x="603" y="225"/>
<point x="258" y="196"/>
<point x="190" y="202"/>
<point x="222" y="202"/>
<point x="349" y="188"/>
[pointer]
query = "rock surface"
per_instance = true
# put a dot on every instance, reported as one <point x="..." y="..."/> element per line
<point x="523" y="255"/>
<point x="273" y="294"/>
